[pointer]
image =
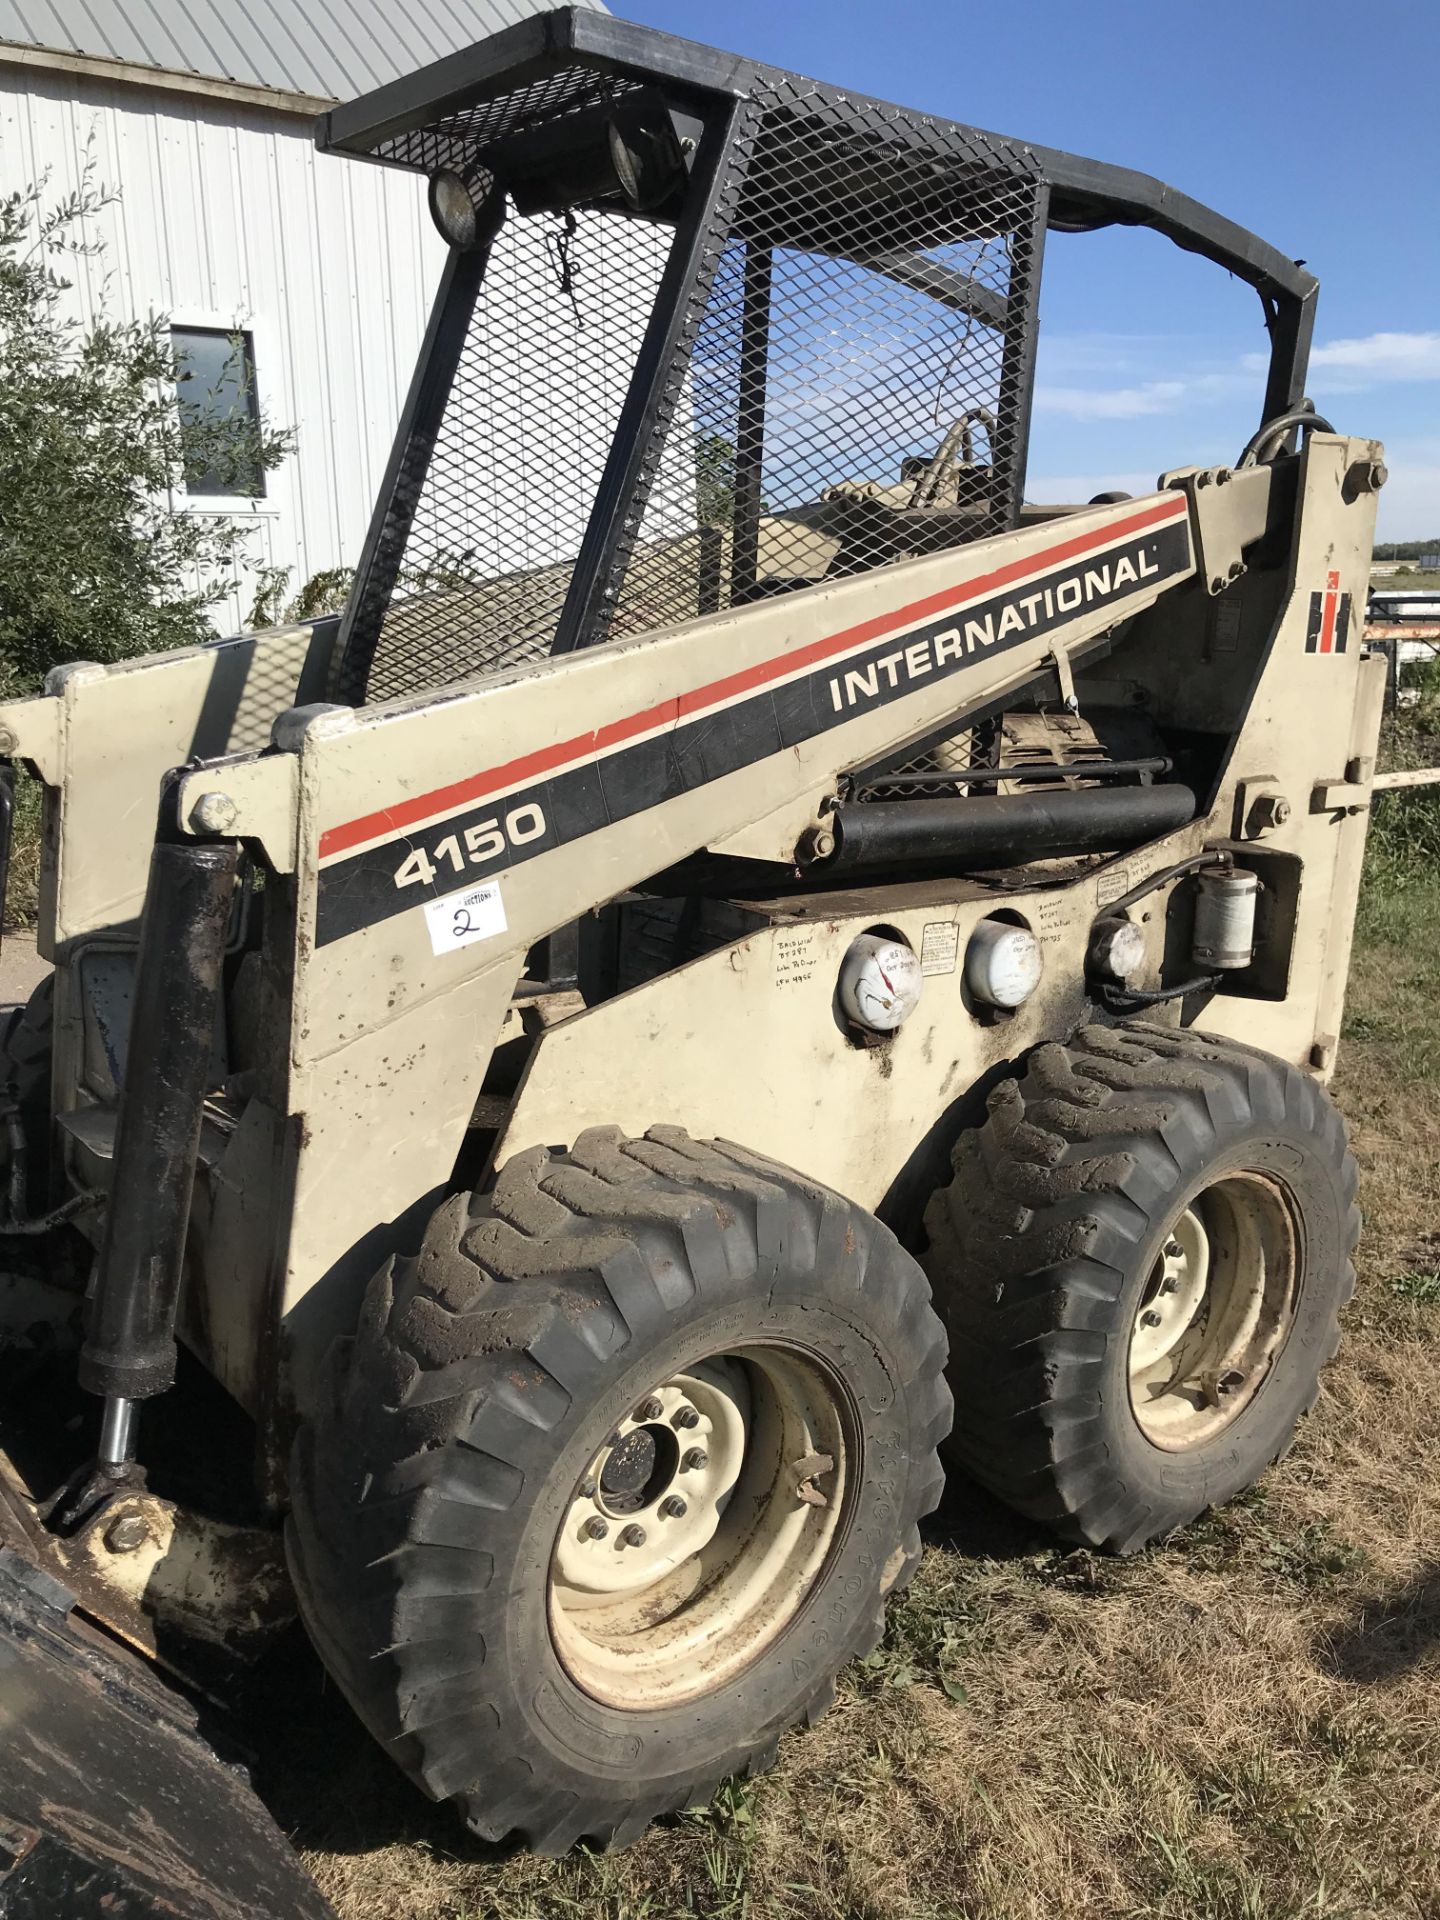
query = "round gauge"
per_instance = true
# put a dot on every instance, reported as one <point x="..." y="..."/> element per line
<point x="880" y="982"/>
<point x="1003" y="964"/>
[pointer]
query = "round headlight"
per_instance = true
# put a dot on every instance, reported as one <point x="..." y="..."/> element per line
<point x="880" y="982"/>
<point x="453" y="209"/>
<point x="1003" y="964"/>
<point x="1117" y="949"/>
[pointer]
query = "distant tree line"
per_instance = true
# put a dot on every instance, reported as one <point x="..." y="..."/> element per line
<point x="1406" y="549"/>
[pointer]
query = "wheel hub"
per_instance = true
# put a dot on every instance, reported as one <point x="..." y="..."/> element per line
<point x="699" y="1526"/>
<point x="643" y="1468"/>
<point x="1216" y="1308"/>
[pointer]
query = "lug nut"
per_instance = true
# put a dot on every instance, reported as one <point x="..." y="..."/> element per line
<point x="1169" y="1284"/>
<point x="649" y="1410"/>
<point x="1173" y="1250"/>
<point x="587" y="1487"/>
<point x="632" y="1536"/>
<point x="695" y="1458"/>
<point x="673" y="1507"/>
<point x="1150" y="1318"/>
<point x="687" y="1417"/>
<point x="595" y="1528"/>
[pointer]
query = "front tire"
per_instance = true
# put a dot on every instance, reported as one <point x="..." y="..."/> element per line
<point x="1140" y="1262"/>
<point x="616" y="1475"/>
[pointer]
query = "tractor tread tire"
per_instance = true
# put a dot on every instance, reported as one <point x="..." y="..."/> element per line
<point x="442" y="1420"/>
<point x="1036" y="1256"/>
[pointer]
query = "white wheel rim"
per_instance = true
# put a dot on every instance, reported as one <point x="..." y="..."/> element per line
<point x="701" y="1526"/>
<point x="1216" y="1309"/>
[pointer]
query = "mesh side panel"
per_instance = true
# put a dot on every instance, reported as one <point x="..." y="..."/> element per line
<point x="531" y="415"/>
<point x="850" y="399"/>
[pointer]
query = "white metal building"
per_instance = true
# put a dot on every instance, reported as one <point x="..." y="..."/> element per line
<point x="200" y="113"/>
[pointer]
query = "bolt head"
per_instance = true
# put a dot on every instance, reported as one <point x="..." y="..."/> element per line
<point x="1270" y="810"/>
<point x="595" y="1528"/>
<point x="687" y="1417"/>
<point x="1379" y="474"/>
<point x="816" y="843"/>
<point x="632" y="1536"/>
<point x="673" y="1507"/>
<point x="127" y="1533"/>
<point x="649" y="1410"/>
<point x="1149" y="1318"/>
<point x="695" y="1458"/>
<point x="213" y="813"/>
<point x="587" y="1487"/>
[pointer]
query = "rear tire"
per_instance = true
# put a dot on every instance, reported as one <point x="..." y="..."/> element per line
<point x="1140" y="1262"/>
<point x="549" y="1361"/>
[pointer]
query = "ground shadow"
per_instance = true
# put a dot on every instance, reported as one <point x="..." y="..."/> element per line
<point x="323" y="1776"/>
<point x="1389" y="1635"/>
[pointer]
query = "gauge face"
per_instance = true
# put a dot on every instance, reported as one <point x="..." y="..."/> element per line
<point x="880" y="983"/>
<point x="1003" y="964"/>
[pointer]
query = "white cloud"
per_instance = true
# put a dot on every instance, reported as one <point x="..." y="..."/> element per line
<point x="1349" y="366"/>
<point x="1112" y="403"/>
<point x="1383" y="356"/>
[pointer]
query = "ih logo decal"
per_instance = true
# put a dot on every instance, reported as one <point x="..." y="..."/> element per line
<point x="1329" y="625"/>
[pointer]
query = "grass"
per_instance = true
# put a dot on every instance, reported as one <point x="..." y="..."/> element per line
<point x="1239" y="1724"/>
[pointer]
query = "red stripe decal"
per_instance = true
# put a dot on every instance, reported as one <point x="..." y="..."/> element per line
<point x="406" y="813"/>
<point x="1331" y="601"/>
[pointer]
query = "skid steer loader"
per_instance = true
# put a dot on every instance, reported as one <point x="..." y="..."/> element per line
<point x="742" y="904"/>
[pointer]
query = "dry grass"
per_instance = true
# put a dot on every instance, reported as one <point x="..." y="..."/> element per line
<point x="1241" y="1724"/>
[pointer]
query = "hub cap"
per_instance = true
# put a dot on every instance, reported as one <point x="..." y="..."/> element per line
<point x="1217" y="1305"/>
<point x="700" y="1527"/>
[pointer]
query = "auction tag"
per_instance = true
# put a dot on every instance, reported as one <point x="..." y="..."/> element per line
<point x="460" y="919"/>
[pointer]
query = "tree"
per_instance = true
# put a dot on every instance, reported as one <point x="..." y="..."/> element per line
<point x="99" y="559"/>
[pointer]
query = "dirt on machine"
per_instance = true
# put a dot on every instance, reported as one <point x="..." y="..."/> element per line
<point x="754" y="967"/>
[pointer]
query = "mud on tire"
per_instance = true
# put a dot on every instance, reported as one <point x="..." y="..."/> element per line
<point x="1053" y="1239"/>
<point x="485" y="1374"/>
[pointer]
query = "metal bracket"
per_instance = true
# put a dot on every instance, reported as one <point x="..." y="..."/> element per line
<point x="1061" y="663"/>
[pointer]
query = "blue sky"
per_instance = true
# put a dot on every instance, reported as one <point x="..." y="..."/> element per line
<point x="1312" y="122"/>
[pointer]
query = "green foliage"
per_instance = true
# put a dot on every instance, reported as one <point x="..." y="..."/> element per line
<point x="1406" y="549"/>
<point x="1418" y="1285"/>
<point x="714" y="480"/>
<point x="98" y="558"/>
<point x="324" y="592"/>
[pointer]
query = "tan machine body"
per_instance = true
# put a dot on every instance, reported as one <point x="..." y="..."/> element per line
<point x="370" y="1050"/>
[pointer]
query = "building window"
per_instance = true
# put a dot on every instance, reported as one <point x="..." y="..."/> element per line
<point x="219" y="414"/>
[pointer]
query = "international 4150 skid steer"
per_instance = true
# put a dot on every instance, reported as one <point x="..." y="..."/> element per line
<point x="745" y="930"/>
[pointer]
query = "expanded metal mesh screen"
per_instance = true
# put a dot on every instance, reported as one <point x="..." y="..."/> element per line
<point x="847" y="391"/>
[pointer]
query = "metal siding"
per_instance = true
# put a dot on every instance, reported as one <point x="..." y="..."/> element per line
<point x="231" y="213"/>
<point x="332" y="48"/>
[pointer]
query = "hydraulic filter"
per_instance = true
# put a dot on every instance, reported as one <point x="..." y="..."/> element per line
<point x="1224" y="936"/>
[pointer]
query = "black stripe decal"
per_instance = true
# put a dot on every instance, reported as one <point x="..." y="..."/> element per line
<point x="1312" y="629"/>
<point x="1342" y="623"/>
<point x="362" y="889"/>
